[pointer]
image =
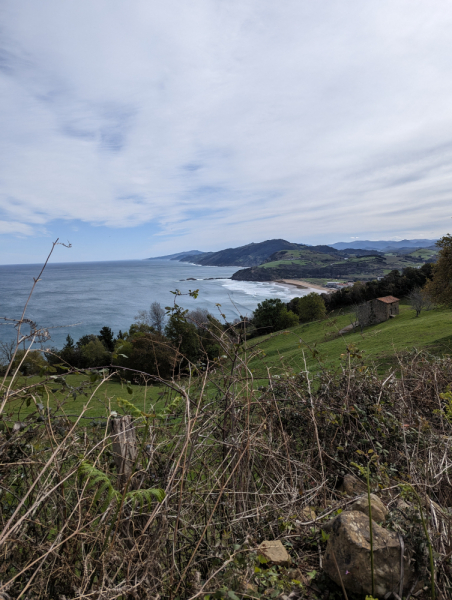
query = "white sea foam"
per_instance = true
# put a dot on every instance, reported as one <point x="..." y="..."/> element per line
<point x="262" y="290"/>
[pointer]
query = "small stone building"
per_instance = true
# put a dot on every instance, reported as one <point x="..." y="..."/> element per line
<point x="378" y="310"/>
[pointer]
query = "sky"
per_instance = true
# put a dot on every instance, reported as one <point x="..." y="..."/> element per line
<point x="136" y="129"/>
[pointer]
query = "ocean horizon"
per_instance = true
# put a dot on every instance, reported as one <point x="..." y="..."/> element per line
<point x="79" y="298"/>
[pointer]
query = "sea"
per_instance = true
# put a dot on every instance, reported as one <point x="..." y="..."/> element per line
<point x="81" y="298"/>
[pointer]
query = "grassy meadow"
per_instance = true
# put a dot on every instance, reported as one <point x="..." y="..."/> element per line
<point x="321" y="344"/>
<point x="100" y="400"/>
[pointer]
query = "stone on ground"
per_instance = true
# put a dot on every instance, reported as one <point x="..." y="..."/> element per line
<point x="352" y="485"/>
<point x="275" y="552"/>
<point x="379" y="510"/>
<point x="349" y="543"/>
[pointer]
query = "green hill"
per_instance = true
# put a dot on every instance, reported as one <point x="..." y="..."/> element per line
<point x="321" y="342"/>
<point x="323" y="264"/>
<point x="244" y="256"/>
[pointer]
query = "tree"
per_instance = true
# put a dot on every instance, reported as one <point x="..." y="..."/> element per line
<point x="148" y="352"/>
<point x="184" y="337"/>
<point x="86" y="339"/>
<point x="267" y="313"/>
<point x="309" y="308"/>
<point x="33" y="362"/>
<point x="154" y="317"/>
<point x="439" y="288"/>
<point x="7" y="351"/>
<point x="107" y="337"/>
<point x="209" y="330"/>
<point x="273" y="315"/>
<point x="287" y="319"/>
<point x="418" y="300"/>
<point x="69" y="342"/>
<point x="95" y="354"/>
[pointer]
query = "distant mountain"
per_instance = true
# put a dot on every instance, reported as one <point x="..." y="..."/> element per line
<point x="177" y="256"/>
<point x="383" y="245"/>
<point x="250" y="255"/>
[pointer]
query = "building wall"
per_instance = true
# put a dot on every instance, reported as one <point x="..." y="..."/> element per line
<point x="375" y="311"/>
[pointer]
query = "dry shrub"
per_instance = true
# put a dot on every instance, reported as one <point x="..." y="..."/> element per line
<point x="225" y="463"/>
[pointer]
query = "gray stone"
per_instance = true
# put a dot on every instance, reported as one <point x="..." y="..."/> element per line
<point x="379" y="510"/>
<point x="275" y="552"/>
<point x="352" y="485"/>
<point x="349" y="543"/>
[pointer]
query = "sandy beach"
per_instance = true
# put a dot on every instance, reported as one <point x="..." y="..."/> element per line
<point x="302" y="284"/>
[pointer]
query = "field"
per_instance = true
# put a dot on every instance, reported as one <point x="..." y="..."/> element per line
<point x="319" y="343"/>
<point x="104" y="398"/>
<point x="237" y="459"/>
<point x="378" y="344"/>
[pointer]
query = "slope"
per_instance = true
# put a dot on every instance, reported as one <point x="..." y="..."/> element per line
<point x="320" y="343"/>
<point x="244" y="256"/>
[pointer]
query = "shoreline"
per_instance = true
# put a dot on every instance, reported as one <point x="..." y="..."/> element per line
<point x="303" y="285"/>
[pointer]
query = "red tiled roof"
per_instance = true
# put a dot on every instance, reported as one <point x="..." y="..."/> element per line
<point x="388" y="299"/>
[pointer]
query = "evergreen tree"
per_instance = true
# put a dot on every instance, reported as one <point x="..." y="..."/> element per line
<point x="439" y="288"/>
<point x="107" y="337"/>
<point x="69" y="343"/>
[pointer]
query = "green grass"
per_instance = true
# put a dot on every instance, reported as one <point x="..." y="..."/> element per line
<point x="281" y="353"/>
<point x="105" y="398"/>
<point x="379" y="343"/>
<point x="277" y="263"/>
<point x="423" y="253"/>
<point x="367" y="267"/>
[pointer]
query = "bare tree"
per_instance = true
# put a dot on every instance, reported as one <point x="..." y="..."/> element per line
<point x="357" y="316"/>
<point x="7" y="352"/>
<point x="157" y="314"/>
<point x="154" y="317"/>
<point x="199" y="317"/>
<point x="418" y="300"/>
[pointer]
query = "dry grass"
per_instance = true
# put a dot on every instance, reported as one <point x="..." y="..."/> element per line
<point x="220" y="468"/>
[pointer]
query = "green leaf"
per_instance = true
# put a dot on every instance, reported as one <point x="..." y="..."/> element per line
<point x="232" y="595"/>
<point x="129" y="390"/>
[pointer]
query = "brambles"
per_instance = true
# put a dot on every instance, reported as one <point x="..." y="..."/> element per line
<point x="222" y="463"/>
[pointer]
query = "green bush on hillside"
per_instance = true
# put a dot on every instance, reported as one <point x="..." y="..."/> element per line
<point x="308" y="308"/>
<point x="273" y="315"/>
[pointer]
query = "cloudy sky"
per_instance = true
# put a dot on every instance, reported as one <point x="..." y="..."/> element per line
<point x="134" y="129"/>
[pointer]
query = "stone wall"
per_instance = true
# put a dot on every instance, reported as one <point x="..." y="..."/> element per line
<point x="376" y="311"/>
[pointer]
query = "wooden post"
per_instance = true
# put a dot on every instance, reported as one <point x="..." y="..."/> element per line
<point x="125" y="447"/>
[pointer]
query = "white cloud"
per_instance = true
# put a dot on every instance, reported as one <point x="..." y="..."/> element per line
<point x="15" y="228"/>
<point x="248" y="118"/>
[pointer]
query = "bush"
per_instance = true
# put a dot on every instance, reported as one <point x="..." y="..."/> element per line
<point x="184" y="336"/>
<point x="151" y="353"/>
<point x="31" y="364"/>
<point x="273" y="315"/>
<point x="309" y="308"/>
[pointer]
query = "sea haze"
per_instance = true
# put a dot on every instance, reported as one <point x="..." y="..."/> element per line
<point x="93" y="294"/>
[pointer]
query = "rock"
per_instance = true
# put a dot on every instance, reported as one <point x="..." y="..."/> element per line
<point x="402" y="505"/>
<point x="275" y="552"/>
<point x="349" y="541"/>
<point x="308" y="514"/>
<point x="379" y="510"/>
<point x="352" y="486"/>
<point x="348" y="328"/>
